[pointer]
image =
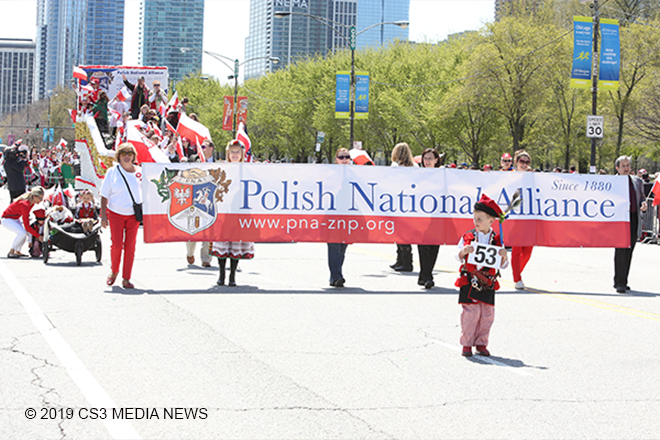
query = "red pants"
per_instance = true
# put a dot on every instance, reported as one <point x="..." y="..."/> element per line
<point x="123" y="234"/>
<point x="476" y="321"/>
<point x="519" y="258"/>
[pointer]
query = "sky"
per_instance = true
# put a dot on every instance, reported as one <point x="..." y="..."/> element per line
<point x="430" y="21"/>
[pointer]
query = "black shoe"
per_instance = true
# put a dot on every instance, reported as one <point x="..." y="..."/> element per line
<point x="338" y="283"/>
<point x="621" y="289"/>
<point x="232" y="283"/>
<point x="394" y="265"/>
<point x="403" y="268"/>
<point x="627" y="287"/>
<point x="421" y="282"/>
<point x="429" y="284"/>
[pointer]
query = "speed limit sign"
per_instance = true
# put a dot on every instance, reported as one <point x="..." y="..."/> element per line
<point x="594" y="126"/>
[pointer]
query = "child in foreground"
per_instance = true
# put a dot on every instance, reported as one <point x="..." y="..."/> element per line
<point x="478" y="283"/>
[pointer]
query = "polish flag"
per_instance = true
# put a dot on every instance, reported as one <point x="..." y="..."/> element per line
<point x="147" y="151"/>
<point x="162" y="109"/>
<point x="155" y="128"/>
<point x="192" y="130"/>
<point x="85" y="90"/>
<point x="73" y="114"/>
<point x="123" y="94"/>
<point x="79" y="73"/>
<point x="360" y="157"/>
<point x="656" y="192"/>
<point x="62" y="143"/>
<point x="242" y="137"/>
<point x="58" y="196"/>
<point x="174" y="101"/>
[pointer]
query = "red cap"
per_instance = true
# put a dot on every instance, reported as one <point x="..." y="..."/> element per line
<point x="94" y="80"/>
<point x="40" y="214"/>
<point x="488" y="167"/>
<point x="488" y="205"/>
<point x="506" y="156"/>
<point x="452" y="165"/>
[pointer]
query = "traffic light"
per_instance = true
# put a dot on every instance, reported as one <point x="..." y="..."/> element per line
<point x="37" y="127"/>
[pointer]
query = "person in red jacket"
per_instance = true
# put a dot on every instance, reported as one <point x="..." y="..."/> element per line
<point x="478" y="283"/>
<point x="16" y="218"/>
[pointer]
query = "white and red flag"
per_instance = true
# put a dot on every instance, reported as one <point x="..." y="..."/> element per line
<point x="147" y="151"/>
<point x="242" y="137"/>
<point x="58" y="196"/>
<point x="73" y="114"/>
<point x="656" y="192"/>
<point x="174" y="101"/>
<point x="162" y="109"/>
<point x="85" y="90"/>
<point x="187" y="128"/>
<point x="79" y="73"/>
<point x="360" y="157"/>
<point x="123" y="94"/>
<point x="62" y="143"/>
<point x="169" y="127"/>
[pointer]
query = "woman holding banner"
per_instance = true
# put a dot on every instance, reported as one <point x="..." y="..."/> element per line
<point x="402" y="157"/>
<point x="428" y="253"/>
<point x="520" y="255"/>
<point x="234" y="250"/>
<point x="337" y="251"/>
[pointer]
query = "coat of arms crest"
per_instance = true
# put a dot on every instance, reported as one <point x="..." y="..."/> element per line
<point x="192" y="194"/>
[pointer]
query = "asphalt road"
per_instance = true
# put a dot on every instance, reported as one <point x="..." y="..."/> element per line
<point x="285" y="356"/>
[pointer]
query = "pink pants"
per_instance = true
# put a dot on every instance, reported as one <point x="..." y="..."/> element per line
<point x="519" y="258"/>
<point x="123" y="234"/>
<point x="476" y="321"/>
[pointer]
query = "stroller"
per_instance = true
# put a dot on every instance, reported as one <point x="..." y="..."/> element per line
<point x="70" y="237"/>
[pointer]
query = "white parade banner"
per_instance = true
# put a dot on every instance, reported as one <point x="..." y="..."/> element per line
<point x="335" y="203"/>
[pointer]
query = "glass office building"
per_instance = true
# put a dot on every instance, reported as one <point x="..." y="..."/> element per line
<point x="16" y="74"/>
<point x="72" y="33"/>
<point x="289" y="38"/>
<point x="165" y="27"/>
<point x="295" y="37"/>
<point x="370" y="12"/>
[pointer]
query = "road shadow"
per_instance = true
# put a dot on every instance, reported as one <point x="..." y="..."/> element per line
<point x="630" y="293"/>
<point x="255" y="290"/>
<point x="502" y="361"/>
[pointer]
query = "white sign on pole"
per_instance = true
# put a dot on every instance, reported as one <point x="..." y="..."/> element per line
<point x="594" y="126"/>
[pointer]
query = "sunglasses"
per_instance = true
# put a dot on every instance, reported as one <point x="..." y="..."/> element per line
<point x="204" y="147"/>
<point x="526" y="162"/>
<point x="343" y="157"/>
<point x="506" y="160"/>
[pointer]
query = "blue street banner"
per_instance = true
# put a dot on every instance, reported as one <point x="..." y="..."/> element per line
<point x="361" y="95"/>
<point x="51" y="135"/>
<point x="610" y="55"/>
<point x="343" y="95"/>
<point x="45" y="135"/>
<point x="583" y="29"/>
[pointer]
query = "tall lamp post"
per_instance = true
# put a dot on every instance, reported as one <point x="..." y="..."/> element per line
<point x="352" y="43"/>
<point x="222" y="58"/>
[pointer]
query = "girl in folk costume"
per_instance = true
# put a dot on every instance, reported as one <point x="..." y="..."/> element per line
<point x="234" y="250"/>
<point x="86" y="208"/>
<point x="478" y="283"/>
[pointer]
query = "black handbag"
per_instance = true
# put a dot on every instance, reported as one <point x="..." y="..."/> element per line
<point x="137" y="207"/>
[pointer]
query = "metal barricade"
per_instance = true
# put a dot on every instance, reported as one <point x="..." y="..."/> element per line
<point x="650" y="232"/>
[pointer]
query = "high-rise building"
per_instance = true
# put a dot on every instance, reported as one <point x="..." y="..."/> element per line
<point x="370" y="12"/>
<point x="295" y="36"/>
<point x="75" y="32"/>
<point x="165" y="27"/>
<point x="16" y="74"/>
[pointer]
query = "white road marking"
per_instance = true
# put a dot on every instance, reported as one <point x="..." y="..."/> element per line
<point x="90" y="388"/>
<point x="484" y="358"/>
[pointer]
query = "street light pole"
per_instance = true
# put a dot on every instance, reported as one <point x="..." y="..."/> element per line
<point x="237" y="64"/>
<point x="594" y="84"/>
<point x="352" y="43"/>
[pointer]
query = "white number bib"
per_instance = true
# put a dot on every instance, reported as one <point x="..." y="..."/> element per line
<point x="485" y="255"/>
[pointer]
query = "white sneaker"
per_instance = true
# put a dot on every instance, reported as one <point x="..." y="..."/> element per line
<point x="520" y="285"/>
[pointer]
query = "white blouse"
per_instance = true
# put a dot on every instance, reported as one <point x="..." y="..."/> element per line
<point x="114" y="189"/>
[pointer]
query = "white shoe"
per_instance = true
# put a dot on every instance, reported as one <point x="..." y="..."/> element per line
<point x="520" y="285"/>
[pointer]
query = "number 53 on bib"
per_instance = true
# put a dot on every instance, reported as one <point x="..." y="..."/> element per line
<point x="485" y="255"/>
